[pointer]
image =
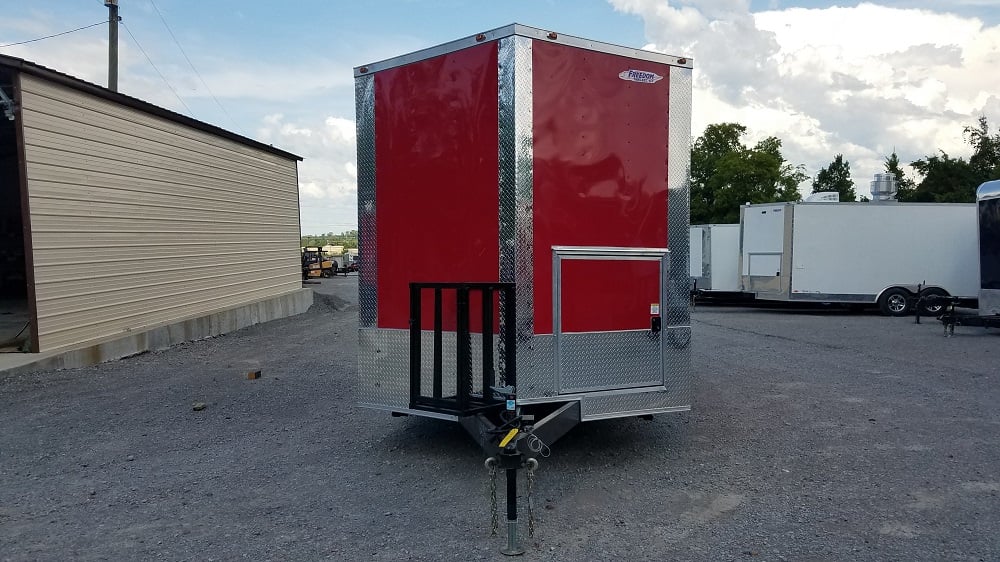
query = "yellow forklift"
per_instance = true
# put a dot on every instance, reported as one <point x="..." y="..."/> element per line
<point x="315" y="264"/>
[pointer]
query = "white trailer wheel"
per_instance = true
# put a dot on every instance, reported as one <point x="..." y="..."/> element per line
<point x="895" y="302"/>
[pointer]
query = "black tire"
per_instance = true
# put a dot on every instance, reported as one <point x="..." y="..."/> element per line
<point x="933" y="309"/>
<point x="896" y="302"/>
<point x="327" y="273"/>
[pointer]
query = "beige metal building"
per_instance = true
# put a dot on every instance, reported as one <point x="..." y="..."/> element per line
<point x="123" y="220"/>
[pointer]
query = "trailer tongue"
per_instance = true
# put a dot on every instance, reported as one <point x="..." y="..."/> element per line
<point x="548" y="176"/>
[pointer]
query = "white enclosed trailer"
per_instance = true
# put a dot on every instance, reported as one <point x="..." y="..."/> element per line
<point x="715" y="256"/>
<point x="887" y="254"/>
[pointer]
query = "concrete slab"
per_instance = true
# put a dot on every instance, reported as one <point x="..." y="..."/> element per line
<point x="161" y="337"/>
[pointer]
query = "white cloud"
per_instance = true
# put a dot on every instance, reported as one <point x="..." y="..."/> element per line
<point x="327" y="175"/>
<point x="861" y="81"/>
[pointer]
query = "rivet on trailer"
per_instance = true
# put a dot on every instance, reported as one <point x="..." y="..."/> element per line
<point x="546" y="176"/>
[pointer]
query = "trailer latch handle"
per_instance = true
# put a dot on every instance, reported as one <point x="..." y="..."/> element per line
<point x="655" y="324"/>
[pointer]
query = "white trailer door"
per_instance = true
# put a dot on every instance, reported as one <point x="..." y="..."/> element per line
<point x="763" y="245"/>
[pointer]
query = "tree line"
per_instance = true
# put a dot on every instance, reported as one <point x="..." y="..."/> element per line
<point x="726" y="173"/>
<point x="347" y="239"/>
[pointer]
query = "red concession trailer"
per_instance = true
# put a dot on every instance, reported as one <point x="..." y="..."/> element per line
<point x="544" y="179"/>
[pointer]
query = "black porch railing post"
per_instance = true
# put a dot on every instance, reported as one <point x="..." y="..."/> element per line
<point x="437" y="342"/>
<point x="414" y="344"/>
<point x="463" y="341"/>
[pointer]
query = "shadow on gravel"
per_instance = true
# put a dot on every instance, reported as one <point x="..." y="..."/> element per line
<point x="588" y="444"/>
<point x="442" y="439"/>
<point x="789" y="308"/>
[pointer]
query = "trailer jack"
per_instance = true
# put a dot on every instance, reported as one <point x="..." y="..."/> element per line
<point x="511" y="463"/>
<point x="514" y="444"/>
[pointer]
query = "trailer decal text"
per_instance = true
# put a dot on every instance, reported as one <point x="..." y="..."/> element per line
<point x="640" y="76"/>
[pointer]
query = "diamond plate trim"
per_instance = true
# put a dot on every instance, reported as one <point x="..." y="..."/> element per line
<point x="364" y="92"/>
<point x="540" y="380"/>
<point x="516" y="187"/>
<point x="384" y="366"/>
<point x="622" y="405"/>
<point x="678" y="311"/>
<point x="678" y="381"/>
<point x="607" y="360"/>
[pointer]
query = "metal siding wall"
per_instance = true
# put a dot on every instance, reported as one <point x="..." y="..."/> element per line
<point x="138" y="221"/>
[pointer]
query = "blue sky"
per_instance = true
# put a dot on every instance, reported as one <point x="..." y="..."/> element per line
<point x="853" y="78"/>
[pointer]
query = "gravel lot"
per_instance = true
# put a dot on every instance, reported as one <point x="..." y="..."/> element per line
<point x="815" y="435"/>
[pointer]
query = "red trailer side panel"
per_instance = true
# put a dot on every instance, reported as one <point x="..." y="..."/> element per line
<point x="436" y="182"/>
<point x="600" y="173"/>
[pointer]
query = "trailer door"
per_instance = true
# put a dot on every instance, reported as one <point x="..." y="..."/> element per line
<point x="606" y="306"/>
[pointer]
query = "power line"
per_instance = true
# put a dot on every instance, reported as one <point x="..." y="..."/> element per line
<point x="54" y="35"/>
<point x="129" y="31"/>
<point x="198" y="74"/>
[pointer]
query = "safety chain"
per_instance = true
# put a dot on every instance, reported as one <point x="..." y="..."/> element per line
<point x="491" y="466"/>
<point x="530" y="467"/>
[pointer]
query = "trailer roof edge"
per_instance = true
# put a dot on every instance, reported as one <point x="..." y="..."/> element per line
<point x="522" y="31"/>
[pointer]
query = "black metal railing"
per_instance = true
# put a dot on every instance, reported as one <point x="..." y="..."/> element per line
<point x="467" y="400"/>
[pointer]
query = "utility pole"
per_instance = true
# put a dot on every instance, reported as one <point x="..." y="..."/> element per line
<point x="112" y="44"/>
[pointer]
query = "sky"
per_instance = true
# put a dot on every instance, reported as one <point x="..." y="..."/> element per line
<point x="862" y="79"/>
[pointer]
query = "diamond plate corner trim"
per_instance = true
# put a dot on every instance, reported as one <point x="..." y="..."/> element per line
<point x="634" y="404"/>
<point x="539" y="381"/>
<point x="364" y="95"/>
<point x="678" y="311"/>
<point x="516" y="187"/>
<point x="384" y="366"/>
<point x="678" y="381"/>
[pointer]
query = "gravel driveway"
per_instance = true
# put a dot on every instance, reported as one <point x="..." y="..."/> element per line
<point x="815" y="435"/>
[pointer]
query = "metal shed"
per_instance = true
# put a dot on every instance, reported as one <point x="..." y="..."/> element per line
<point x="120" y="217"/>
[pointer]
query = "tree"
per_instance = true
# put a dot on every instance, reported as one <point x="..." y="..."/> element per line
<point x="954" y="180"/>
<point x="725" y="174"/>
<point x="985" y="159"/>
<point x="904" y="185"/>
<point x="836" y="177"/>
<point x="945" y="180"/>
